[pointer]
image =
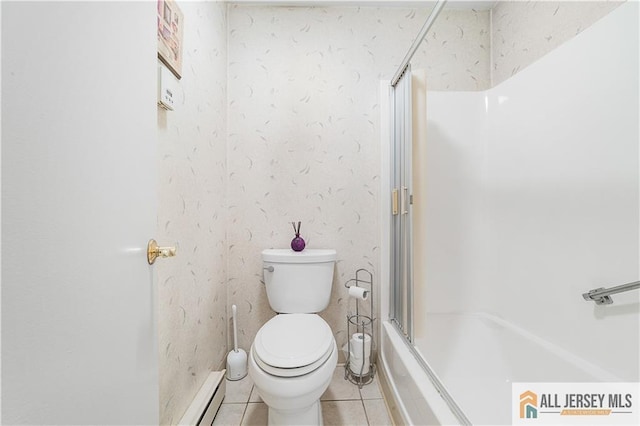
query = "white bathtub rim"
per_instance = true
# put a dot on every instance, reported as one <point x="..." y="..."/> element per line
<point x="598" y="373"/>
<point x="432" y="397"/>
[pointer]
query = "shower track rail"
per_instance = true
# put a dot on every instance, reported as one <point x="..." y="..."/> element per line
<point x="602" y="296"/>
<point x="418" y="40"/>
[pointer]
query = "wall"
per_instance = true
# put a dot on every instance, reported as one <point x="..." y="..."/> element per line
<point x="456" y="51"/>
<point x="555" y="206"/>
<point x="303" y="132"/>
<point x="192" y="214"/>
<point x="522" y="32"/>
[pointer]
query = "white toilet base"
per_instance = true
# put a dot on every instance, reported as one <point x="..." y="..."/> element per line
<point x="311" y="416"/>
<point x="293" y="400"/>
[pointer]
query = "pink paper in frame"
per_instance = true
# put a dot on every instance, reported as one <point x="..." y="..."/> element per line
<point x="170" y="28"/>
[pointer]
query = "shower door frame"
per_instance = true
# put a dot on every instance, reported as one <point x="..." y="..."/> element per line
<point x="400" y="238"/>
<point x="401" y="268"/>
<point x="401" y="295"/>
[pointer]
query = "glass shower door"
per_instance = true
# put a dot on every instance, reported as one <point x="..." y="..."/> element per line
<point x="401" y="268"/>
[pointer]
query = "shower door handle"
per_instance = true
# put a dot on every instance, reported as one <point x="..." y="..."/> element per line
<point x="394" y="202"/>
<point x="405" y="198"/>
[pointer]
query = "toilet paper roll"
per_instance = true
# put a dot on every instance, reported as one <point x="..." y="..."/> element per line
<point x="358" y="349"/>
<point x="358" y="293"/>
<point x="359" y="366"/>
<point x="359" y="358"/>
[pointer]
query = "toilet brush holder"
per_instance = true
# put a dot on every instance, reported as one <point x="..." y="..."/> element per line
<point x="237" y="358"/>
<point x="359" y="368"/>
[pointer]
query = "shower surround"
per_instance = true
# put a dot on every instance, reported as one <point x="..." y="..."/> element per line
<point x="533" y="201"/>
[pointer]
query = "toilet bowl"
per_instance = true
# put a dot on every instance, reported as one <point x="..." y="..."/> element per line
<point x="294" y="354"/>
<point x="291" y="363"/>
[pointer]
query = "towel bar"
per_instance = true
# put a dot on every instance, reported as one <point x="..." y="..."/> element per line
<point x="602" y="296"/>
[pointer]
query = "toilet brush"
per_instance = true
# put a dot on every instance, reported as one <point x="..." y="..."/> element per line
<point x="237" y="358"/>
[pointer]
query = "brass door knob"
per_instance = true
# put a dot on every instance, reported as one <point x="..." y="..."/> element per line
<point x="154" y="251"/>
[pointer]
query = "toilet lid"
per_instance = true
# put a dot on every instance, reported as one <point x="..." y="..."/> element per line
<point x="291" y="341"/>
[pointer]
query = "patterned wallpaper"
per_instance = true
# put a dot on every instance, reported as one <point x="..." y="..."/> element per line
<point x="522" y="31"/>
<point x="304" y="133"/>
<point x="192" y="181"/>
<point x="456" y="51"/>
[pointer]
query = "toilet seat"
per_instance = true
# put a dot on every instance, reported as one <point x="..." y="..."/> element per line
<point x="291" y="345"/>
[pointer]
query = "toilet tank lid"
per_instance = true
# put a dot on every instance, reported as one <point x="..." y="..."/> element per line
<point x="304" y="256"/>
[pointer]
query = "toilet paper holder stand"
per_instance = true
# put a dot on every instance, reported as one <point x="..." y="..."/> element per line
<point x="358" y="368"/>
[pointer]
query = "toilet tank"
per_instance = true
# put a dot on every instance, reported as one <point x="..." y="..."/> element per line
<point x="298" y="282"/>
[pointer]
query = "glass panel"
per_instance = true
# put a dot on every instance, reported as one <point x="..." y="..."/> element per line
<point x="401" y="252"/>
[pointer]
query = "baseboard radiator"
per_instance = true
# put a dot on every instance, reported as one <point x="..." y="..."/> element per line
<point x="207" y="401"/>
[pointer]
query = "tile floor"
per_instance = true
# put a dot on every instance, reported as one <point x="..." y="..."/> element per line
<point x="342" y="404"/>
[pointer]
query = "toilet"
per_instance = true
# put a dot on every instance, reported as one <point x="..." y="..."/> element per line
<point x="294" y="354"/>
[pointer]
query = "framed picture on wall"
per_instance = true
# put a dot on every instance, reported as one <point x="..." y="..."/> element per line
<point x="170" y="27"/>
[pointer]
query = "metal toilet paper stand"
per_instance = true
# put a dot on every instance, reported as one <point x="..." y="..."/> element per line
<point x="359" y="326"/>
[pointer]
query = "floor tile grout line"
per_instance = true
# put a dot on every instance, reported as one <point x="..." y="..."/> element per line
<point x="250" y="392"/>
<point x="366" y="415"/>
<point x="343" y="399"/>
<point x="244" y="413"/>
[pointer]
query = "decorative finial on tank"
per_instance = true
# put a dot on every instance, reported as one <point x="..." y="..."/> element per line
<point x="297" y="244"/>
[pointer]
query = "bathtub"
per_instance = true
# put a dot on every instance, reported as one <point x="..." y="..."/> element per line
<point x="476" y="357"/>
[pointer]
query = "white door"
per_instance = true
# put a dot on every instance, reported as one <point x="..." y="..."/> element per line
<point x="78" y="207"/>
